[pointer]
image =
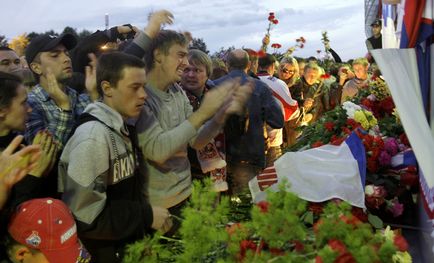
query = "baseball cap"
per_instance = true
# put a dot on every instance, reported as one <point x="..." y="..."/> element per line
<point x="377" y="22"/>
<point x="47" y="225"/>
<point x="47" y="42"/>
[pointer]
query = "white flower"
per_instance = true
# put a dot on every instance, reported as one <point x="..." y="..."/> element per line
<point x="369" y="189"/>
<point x="350" y="108"/>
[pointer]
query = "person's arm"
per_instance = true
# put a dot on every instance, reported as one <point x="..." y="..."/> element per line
<point x="143" y="39"/>
<point x="369" y="45"/>
<point x="85" y="194"/>
<point x="60" y="125"/>
<point x="335" y="56"/>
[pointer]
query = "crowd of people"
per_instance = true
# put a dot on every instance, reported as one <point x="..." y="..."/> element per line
<point x="100" y="148"/>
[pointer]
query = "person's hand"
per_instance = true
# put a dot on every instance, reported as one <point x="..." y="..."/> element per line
<point x="212" y="102"/>
<point x="124" y="30"/>
<point x="55" y="92"/>
<point x="239" y="98"/>
<point x="308" y="103"/>
<point x="90" y="82"/>
<point x="14" y="166"/>
<point x="49" y="149"/>
<point x="162" y="221"/>
<point x="343" y="75"/>
<point x="156" y="20"/>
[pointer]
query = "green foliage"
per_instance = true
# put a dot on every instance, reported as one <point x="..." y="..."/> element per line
<point x="276" y="232"/>
<point x="198" y="43"/>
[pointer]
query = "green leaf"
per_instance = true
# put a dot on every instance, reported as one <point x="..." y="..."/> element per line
<point x="308" y="217"/>
<point x="375" y="221"/>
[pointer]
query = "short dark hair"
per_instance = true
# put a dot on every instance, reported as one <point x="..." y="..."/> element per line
<point x="164" y="40"/>
<point x="266" y="61"/>
<point x="8" y="88"/>
<point x="110" y="66"/>
<point x="236" y="62"/>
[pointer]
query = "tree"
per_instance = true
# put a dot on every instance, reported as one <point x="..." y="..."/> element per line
<point x="84" y="33"/>
<point x="70" y="30"/>
<point x="222" y="53"/>
<point x="3" y="41"/>
<point x="198" y="43"/>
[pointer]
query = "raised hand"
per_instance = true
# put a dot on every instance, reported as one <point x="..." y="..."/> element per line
<point x="14" y="166"/>
<point x="156" y="20"/>
<point x="90" y="82"/>
<point x="49" y="152"/>
<point x="55" y="92"/>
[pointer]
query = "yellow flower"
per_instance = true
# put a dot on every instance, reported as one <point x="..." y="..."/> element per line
<point x="360" y="117"/>
<point x="401" y="257"/>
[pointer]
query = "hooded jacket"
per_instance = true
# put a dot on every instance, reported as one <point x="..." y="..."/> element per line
<point x="102" y="180"/>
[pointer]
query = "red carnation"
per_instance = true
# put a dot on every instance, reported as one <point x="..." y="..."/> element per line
<point x="318" y="259"/>
<point x="275" y="21"/>
<point x="400" y="243"/>
<point x="412" y="169"/>
<point x="345" y="258"/>
<point x="387" y="105"/>
<point x="372" y="164"/>
<point x="345" y="130"/>
<point x="302" y="46"/>
<point x="261" y="53"/>
<point x="404" y="140"/>
<point x="359" y="213"/>
<point x="299" y="247"/>
<point x="325" y="76"/>
<point x="335" y="140"/>
<point x="317" y="144"/>
<point x="271" y="13"/>
<point x="263" y="206"/>
<point x="409" y="179"/>
<point x="318" y="51"/>
<point x="337" y="245"/>
<point x="276" y="45"/>
<point x="329" y="126"/>
<point x="271" y="18"/>
<point x="315" y="208"/>
<point x="352" y="123"/>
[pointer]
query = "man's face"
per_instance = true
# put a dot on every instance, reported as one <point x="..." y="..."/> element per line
<point x="128" y="95"/>
<point x="311" y="76"/>
<point x="194" y="78"/>
<point x="15" y="116"/>
<point x="58" y="61"/>
<point x="376" y="30"/>
<point x="174" y="63"/>
<point x="286" y="71"/>
<point x="360" y="71"/>
<point x="9" y="61"/>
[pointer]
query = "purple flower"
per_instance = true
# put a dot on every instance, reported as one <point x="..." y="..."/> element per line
<point x="384" y="158"/>
<point x="396" y="208"/>
<point x="391" y="146"/>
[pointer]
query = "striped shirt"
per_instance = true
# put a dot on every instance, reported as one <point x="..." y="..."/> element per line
<point x="46" y="115"/>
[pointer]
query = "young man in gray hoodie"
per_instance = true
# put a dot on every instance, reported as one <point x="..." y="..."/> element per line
<point x="102" y="173"/>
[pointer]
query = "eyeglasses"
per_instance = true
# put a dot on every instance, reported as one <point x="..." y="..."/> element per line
<point x="284" y="70"/>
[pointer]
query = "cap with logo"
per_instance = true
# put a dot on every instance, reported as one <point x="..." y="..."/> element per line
<point x="44" y="43"/>
<point x="47" y="225"/>
<point x="377" y="22"/>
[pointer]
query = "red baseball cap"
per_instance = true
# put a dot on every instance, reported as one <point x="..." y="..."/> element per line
<point x="47" y="225"/>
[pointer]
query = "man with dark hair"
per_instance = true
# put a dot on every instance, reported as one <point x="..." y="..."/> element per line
<point x="282" y="94"/>
<point x="55" y="106"/>
<point x="9" y="61"/>
<point x="375" y="41"/>
<point x="101" y="171"/>
<point x="245" y="142"/>
<point x="167" y="123"/>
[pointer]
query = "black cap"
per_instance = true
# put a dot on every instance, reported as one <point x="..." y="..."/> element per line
<point x="47" y="42"/>
<point x="377" y="22"/>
